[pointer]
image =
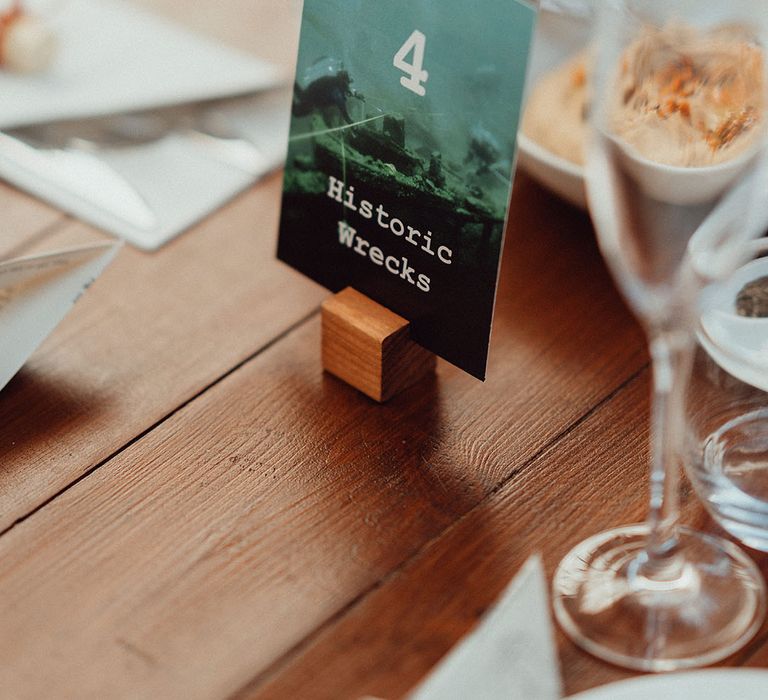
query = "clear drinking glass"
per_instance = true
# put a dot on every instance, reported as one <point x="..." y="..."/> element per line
<point x="674" y="168"/>
<point x="727" y="401"/>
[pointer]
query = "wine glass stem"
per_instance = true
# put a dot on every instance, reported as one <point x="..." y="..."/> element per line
<point x="671" y="354"/>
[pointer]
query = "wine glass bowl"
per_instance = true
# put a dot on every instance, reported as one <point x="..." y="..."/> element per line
<point x="675" y="163"/>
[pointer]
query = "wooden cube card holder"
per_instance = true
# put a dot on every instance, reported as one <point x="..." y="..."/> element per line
<point x="369" y="347"/>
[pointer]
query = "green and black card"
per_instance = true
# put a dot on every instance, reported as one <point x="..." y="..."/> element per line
<point x="401" y="157"/>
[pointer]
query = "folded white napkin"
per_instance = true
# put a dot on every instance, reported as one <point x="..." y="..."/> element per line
<point x="509" y="656"/>
<point x="35" y="294"/>
<point x="181" y="177"/>
<point x="115" y="57"/>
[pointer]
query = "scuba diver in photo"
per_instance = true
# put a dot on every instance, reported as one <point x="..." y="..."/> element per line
<point x="326" y="89"/>
<point x="483" y="150"/>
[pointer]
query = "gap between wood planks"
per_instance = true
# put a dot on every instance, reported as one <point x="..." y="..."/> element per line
<point x="285" y="333"/>
<point x="276" y="667"/>
<point x="278" y="664"/>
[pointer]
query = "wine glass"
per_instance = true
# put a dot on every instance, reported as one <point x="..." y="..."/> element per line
<point x="676" y="160"/>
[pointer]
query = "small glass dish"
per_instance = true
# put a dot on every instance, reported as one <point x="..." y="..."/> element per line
<point x="727" y="402"/>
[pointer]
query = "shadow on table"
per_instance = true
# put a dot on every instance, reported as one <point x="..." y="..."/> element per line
<point x="35" y="408"/>
<point x="551" y="272"/>
<point x="394" y="447"/>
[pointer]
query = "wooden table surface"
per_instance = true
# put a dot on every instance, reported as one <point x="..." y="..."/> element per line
<point x="190" y="508"/>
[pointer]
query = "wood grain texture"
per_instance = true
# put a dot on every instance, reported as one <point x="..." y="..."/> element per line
<point x="153" y="331"/>
<point x="386" y="642"/>
<point x="194" y="510"/>
<point x="25" y="221"/>
<point x="369" y="347"/>
<point x="592" y="479"/>
<point x="267" y="506"/>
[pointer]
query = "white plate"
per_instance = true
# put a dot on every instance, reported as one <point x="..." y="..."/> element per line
<point x="180" y="177"/>
<point x="115" y="57"/>
<point x="558" y="37"/>
<point x="715" y="684"/>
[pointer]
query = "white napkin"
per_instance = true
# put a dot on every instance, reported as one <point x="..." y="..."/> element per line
<point x="509" y="656"/>
<point x="180" y="177"/>
<point x="35" y="294"/>
<point x="115" y="57"/>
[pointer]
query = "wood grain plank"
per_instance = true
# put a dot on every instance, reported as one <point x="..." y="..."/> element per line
<point x="387" y="641"/>
<point x="578" y="486"/>
<point x="208" y="549"/>
<point x="157" y="328"/>
<point x="280" y="528"/>
<point x="152" y="332"/>
<point x="25" y="220"/>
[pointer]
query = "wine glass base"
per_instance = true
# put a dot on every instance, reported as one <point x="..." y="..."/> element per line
<point x="712" y="605"/>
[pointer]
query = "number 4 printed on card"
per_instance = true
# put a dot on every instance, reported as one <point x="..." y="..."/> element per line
<point x="414" y="70"/>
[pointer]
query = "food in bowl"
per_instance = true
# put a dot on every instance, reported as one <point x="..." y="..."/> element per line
<point x="557" y="110"/>
<point x="684" y="98"/>
<point x="689" y="98"/>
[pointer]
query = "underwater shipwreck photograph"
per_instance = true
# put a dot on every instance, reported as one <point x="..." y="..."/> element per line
<point x="401" y="158"/>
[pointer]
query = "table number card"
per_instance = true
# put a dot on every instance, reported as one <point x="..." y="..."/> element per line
<point x="35" y="294"/>
<point x="401" y="158"/>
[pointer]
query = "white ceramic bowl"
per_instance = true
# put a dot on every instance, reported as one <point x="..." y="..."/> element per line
<point x="558" y="37"/>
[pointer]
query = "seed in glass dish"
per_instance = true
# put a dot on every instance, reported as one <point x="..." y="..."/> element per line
<point x="752" y="300"/>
